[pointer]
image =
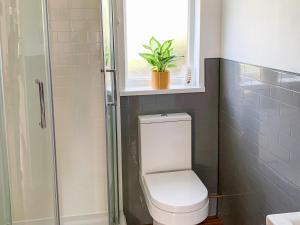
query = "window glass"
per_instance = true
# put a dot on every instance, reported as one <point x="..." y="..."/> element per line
<point x="163" y="19"/>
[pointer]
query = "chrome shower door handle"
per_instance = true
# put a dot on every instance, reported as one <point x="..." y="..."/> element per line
<point x="42" y="122"/>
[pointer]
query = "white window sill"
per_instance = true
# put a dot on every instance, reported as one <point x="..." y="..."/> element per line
<point x="175" y="89"/>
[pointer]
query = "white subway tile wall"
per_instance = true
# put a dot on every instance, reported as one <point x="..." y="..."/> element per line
<point x="259" y="143"/>
<point x="79" y="105"/>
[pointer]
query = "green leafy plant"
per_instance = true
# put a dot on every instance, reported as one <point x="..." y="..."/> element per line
<point x="160" y="56"/>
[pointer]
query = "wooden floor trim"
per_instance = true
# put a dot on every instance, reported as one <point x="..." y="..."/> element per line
<point x="212" y="221"/>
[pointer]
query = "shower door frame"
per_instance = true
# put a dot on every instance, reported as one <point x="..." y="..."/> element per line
<point x="115" y="32"/>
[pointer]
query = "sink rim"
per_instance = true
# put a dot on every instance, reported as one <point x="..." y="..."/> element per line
<point x="284" y="219"/>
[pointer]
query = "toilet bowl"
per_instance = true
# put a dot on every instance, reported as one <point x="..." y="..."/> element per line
<point x="175" y="197"/>
<point x="174" y="194"/>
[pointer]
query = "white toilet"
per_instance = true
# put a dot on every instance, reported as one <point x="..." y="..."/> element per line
<point x="174" y="194"/>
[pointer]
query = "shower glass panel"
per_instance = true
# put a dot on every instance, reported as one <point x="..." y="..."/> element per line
<point x="28" y="112"/>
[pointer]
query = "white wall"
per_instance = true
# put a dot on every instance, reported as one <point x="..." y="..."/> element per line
<point x="262" y="32"/>
<point x="211" y="28"/>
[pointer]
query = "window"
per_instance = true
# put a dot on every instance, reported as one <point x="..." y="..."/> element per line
<point x="164" y="20"/>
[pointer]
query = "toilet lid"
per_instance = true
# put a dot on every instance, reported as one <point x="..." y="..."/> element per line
<point x="180" y="191"/>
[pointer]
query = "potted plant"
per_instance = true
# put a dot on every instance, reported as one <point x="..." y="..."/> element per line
<point x="161" y="57"/>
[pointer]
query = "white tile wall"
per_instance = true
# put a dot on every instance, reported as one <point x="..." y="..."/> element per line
<point x="79" y="105"/>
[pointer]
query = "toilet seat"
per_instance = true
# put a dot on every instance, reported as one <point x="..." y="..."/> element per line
<point x="175" y="198"/>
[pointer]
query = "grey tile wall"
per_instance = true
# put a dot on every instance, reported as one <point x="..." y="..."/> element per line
<point x="203" y="107"/>
<point x="259" y="145"/>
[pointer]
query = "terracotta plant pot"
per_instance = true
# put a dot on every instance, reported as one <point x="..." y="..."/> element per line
<point x="160" y="80"/>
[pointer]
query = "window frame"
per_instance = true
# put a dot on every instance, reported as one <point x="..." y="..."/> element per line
<point x="194" y="55"/>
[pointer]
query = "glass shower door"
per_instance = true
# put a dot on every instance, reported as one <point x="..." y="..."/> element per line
<point x="109" y="72"/>
<point x="27" y="101"/>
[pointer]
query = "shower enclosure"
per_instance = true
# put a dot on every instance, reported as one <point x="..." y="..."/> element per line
<point x="28" y="171"/>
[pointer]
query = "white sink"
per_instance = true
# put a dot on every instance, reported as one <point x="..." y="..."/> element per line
<point x="284" y="219"/>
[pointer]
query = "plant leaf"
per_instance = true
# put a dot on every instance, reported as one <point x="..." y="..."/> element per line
<point x="149" y="58"/>
<point x="171" y="65"/>
<point x="166" y="45"/>
<point x="146" y="55"/>
<point x="168" y="59"/>
<point x="154" y="44"/>
<point x="147" y="47"/>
